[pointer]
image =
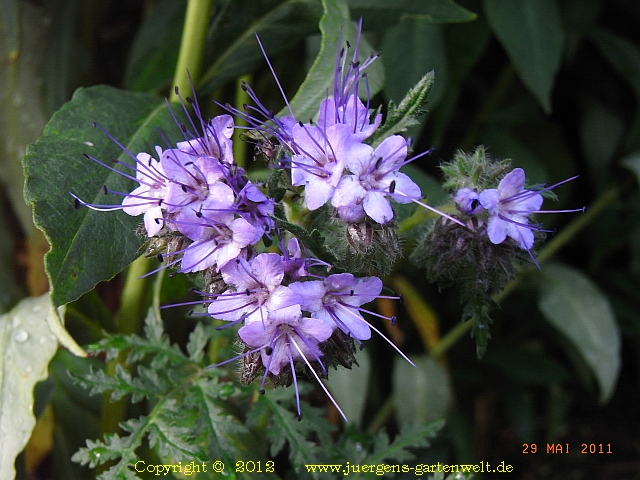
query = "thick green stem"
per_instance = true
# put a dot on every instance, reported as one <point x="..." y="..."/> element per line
<point x="240" y="147"/>
<point x="192" y="45"/>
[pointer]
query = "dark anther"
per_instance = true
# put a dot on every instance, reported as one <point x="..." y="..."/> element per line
<point x="104" y="189"/>
<point x="176" y="89"/>
<point x="199" y="214"/>
<point x="190" y="313"/>
<point x="86" y="156"/>
<point x="394" y="320"/>
<point x="76" y="203"/>
<point x="378" y="163"/>
<point x="189" y="100"/>
<point x="157" y="220"/>
<point x="244" y="86"/>
<point x="268" y="351"/>
<point x="348" y="44"/>
<point x="392" y="186"/>
<point x="351" y="293"/>
<point x="248" y="292"/>
<point x="183" y="127"/>
<point x="474" y="203"/>
<point x="300" y="123"/>
<point x="184" y="188"/>
<point x="160" y="202"/>
<point x="188" y="163"/>
<point x="94" y="124"/>
<point x="160" y="258"/>
<point x="262" y="391"/>
<point x="300" y="417"/>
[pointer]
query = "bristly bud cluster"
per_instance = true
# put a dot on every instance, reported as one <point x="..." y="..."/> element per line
<point x="496" y="239"/>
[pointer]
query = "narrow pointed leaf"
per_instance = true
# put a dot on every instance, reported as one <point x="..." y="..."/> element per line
<point x="531" y="33"/>
<point x="579" y="310"/>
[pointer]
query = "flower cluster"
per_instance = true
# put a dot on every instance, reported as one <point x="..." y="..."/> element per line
<point x="203" y="215"/>
<point x="508" y="208"/>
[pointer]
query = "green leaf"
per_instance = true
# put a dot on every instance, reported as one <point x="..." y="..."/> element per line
<point x="27" y="348"/>
<point x="88" y="246"/>
<point x="527" y="366"/>
<point x="404" y="115"/>
<point x="320" y="77"/>
<point x="531" y="33"/>
<point x="410" y="436"/>
<point x="349" y="387"/>
<point x="577" y="308"/>
<point x="278" y="24"/>
<point x="632" y="162"/>
<point x="430" y="390"/>
<point x="154" y="52"/>
<point x="436" y="11"/>
<point x="409" y="50"/>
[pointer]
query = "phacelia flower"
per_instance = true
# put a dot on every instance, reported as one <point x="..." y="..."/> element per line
<point x="375" y="178"/>
<point x="256" y="290"/>
<point x="337" y="300"/>
<point x="467" y="201"/>
<point x="509" y="206"/>
<point x="321" y="159"/>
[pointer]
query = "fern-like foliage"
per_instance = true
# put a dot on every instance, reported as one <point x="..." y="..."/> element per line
<point x="193" y="414"/>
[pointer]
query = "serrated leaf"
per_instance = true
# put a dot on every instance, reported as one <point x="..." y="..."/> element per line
<point x="88" y="246"/>
<point x="531" y="33"/>
<point x="578" y="309"/>
<point x="319" y="79"/>
<point x="410" y="436"/>
<point x="405" y="114"/>
<point x="198" y="339"/>
<point x="27" y="348"/>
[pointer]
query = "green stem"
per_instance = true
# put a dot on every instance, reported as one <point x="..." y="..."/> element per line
<point x="191" y="46"/>
<point x="240" y="147"/>
<point x="132" y="303"/>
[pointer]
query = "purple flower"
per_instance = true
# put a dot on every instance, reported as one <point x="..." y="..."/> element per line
<point x="190" y="178"/>
<point x="337" y="301"/>
<point x="219" y="243"/>
<point x="321" y="158"/>
<point x="468" y="202"/>
<point x="509" y="206"/>
<point x="285" y="339"/>
<point x="256" y="290"/>
<point x="375" y="177"/>
<point x="215" y="141"/>
<point x="148" y="197"/>
<point x="287" y="336"/>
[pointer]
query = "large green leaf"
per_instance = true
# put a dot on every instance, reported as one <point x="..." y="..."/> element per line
<point x="27" y="346"/>
<point x="576" y="307"/>
<point x="531" y="33"/>
<point x="154" y="53"/>
<point x="88" y="246"/>
<point x="436" y="11"/>
<point x="235" y="49"/>
<point x="430" y="390"/>
<point x="319" y="80"/>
